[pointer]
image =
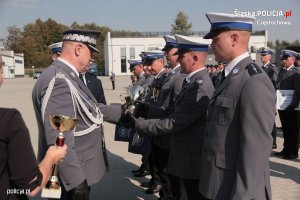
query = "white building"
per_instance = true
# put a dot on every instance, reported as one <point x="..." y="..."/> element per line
<point x="13" y="64"/>
<point x="120" y="48"/>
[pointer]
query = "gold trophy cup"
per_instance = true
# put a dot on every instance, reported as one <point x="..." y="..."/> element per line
<point x="62" y="124"/>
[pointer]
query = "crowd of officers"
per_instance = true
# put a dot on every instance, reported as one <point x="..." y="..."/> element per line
<point x="174" y="127"/>
<point x="210" y="131"/>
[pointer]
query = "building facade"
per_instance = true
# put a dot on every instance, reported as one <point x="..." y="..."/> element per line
<point x="13" y="64"/>
<point x="122" y="47"/>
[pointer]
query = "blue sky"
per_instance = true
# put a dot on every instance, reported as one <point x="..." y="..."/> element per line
<point x="150" y="15"/>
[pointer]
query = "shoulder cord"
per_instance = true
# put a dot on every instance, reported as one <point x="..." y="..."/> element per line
<point x="77" y="103"/>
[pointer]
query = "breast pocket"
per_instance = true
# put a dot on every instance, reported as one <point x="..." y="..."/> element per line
<point x="223" y="110"/>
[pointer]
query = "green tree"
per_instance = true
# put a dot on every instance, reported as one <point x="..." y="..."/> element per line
<point x="13" y="40"/>
<point x="181" y="24"/>
<point x="36" y="38"/>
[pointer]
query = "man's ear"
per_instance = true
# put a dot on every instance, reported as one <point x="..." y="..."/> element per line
<point x="77" y="49"/>
<point x="234" y="38"/>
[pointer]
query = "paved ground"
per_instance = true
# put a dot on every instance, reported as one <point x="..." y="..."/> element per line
<point x="119" y="184"/>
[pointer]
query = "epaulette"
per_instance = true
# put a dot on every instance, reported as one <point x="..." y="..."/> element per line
<point x="253" y="69"/>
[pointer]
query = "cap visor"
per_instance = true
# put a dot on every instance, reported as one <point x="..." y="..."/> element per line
<point x="166" y="48"/>
<point x="181" y="51"/>
<point x="93" y="48"/>
<point x="210" y="35"/>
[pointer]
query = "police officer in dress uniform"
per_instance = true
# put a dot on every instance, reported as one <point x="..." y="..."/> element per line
<point x="184" y="123"/>
<point x="170" y="88"/>
<point x="237" y="139"/>
<point x="137" y="69"/>
<point x="59" y="90"/>
<point x="289" y="117"/>
<point x="272" y="71"/>
<point x="154" y="61"/>
<point x="55" y="50"/>
<point x="174" y="81"/>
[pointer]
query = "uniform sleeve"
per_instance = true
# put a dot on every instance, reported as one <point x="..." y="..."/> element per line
<point x="257" y="115"/>
<point x="275" y="75"/>
<point x="111" y="113"/>
<point x="22" y="164"/>
<point x="195" y="99"/>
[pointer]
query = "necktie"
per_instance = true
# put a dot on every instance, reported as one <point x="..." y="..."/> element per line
<point x="223" y="76"/>
<point x="81" y="77"/>
<point x="184" y="82"/>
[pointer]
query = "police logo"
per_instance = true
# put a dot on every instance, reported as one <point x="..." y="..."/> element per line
<point x="235" y="71"/>
<point x="124" y="132"/>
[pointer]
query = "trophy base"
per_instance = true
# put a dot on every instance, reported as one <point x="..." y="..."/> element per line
<point x="52" y="189"/>
<point x="51" y="193"/>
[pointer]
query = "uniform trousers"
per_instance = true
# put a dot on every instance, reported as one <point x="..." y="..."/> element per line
<point x="290" y="128"/>
<point x="274" y="134"/>
<point x="178" y="189"/>
<point x="160" y="158"/>
<point x="192" y="189"/>
<point x="145" y="162"/>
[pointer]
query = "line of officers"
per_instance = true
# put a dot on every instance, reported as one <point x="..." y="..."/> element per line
<point x="186" y="103"/>
<point x="212" y="139"/>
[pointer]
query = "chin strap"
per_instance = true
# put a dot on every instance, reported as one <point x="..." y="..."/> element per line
<point x="78" y="104"/>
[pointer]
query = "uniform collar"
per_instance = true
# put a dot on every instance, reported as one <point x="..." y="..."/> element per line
<point x="69" y="65"/>
<point x="265" y="65"/>
<point x="289" y="68"/>
<point x="142" y="75"/>
<point x="235" y="61"/>
<point x="189" y="77"/>
<point x="157" y="75"/>
<point x="175" y="68"/>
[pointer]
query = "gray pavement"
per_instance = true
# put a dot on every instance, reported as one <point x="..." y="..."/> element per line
<point x="119" y="182"/>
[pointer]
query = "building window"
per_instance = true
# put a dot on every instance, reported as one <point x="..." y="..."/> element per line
<point x="19" y="61"/>
<point x="132" y="53"/>
<point x="123" y="60"/>
<point x="253" y="49"/>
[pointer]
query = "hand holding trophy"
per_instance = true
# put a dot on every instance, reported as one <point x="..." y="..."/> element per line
<point x="62" y="124"/>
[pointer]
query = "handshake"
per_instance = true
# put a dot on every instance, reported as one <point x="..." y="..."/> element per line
<point x="131" y="111"/>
